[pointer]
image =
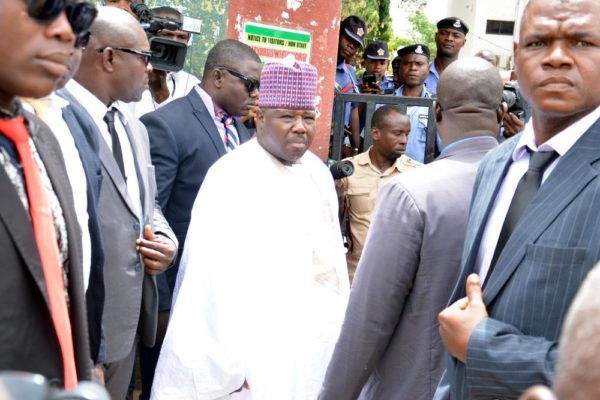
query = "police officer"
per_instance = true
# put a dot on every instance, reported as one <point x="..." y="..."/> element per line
<point x="414" y="67"/>
<point x="376" y="60"/>
<point x="396" y="72"/>
<point x="449" y="39"/>
<point x="352" y="35"/>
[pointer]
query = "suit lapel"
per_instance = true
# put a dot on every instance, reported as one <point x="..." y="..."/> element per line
<point x="19" y="225"/>
<point x="571" y="175"/>
<point x="206" y="120"/>
<point x="140" y="170"/>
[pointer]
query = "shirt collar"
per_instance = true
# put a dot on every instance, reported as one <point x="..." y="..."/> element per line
<point x="561" y="142"/>
<point x="364" y="159"/>
<point x="90" y="103"/>
<point x="207" y="100"/>
<point x="424" y="93"/>
<point x="433" y="70"/>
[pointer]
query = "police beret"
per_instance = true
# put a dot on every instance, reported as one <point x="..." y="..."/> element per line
<point x="453" y="23"/>
<point x="419" y="49"/>
<point x="377" y="50"/>
<point x="355" y="28"/>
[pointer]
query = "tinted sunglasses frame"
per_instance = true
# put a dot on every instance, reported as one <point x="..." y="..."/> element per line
<point x="141" y="53"/>
<point x="251" y="84"/>
<point x="80" y="14"/>
<point x="82" y="41"/>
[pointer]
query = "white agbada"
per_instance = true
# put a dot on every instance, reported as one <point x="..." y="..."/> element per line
<point x="262" y="287"/>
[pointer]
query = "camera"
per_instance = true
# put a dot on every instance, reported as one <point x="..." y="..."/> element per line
<point x="340" y="169"/>
<point x="512" y="97"/>
<point x="167" y="54"/>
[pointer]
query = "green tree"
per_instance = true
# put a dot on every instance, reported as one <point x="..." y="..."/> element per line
<point x="423" y="31"/>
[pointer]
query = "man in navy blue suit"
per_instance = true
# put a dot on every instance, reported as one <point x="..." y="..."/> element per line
<point x="534" y="225"/>
<point x="189" y="134"/>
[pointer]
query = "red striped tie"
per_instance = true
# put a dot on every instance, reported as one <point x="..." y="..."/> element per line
<point x="47" y="244"/>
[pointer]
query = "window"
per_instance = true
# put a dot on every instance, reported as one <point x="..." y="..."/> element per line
<point x="494" y="27"/>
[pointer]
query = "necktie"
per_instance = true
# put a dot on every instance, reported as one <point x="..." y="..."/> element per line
<point x="45" y="238"/>
<point x="526" y="189"/>
<point x="231" y="138"/>
<point x="109" y="118"/>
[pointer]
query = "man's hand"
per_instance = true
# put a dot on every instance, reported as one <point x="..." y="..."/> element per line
<point x="373" y="88"/>
<point x="538" y="392"/>
<point x="458" y="321"/>
<point x="99" y="373"/>
<point x="157" y="251"/>
<point x="157" y="83"/>
<point x="512" y="125"/>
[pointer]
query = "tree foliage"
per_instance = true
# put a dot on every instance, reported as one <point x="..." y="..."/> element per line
<point x="376" y="14"/>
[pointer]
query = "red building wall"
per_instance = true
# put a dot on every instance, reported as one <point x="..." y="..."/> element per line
<point x="319" y="18"/>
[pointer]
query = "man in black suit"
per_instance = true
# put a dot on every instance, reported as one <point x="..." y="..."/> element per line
<point x="43" y="316"/>
<point x="189" y="134"/>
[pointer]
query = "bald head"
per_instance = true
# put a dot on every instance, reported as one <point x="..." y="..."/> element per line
<point x="114" y="26"/>
<point x="578" y="368"/>
<point x="469" y="98"/>
<point x="113" y="63"/>
<point x="488" y="56"/>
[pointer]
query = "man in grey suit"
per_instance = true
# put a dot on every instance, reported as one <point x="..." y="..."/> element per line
<point x="389" y="341"/>
<point x="534" y="229"/>
<point x="137" y="239"/>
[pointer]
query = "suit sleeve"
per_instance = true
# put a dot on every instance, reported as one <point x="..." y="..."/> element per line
<point x="384" y="279"/>
<point x="503" y="362"/>
<point x="164" y="153"/>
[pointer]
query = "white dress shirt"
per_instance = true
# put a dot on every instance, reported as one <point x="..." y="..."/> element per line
<point x="75" y="171"/>
<point x="561" y="143"/>
<point x="97" y="110"/>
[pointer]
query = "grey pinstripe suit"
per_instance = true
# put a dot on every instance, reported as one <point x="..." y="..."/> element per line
<point x="555" y="244"/>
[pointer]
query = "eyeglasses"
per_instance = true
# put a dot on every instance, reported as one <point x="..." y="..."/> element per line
<point x="251" y="84"/>
<point x="82" y="41"/>
<point x="146" y="55"/>
<point x="80" y="14"/>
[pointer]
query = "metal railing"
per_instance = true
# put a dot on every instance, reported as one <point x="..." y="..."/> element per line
<point x="372" y="101"/>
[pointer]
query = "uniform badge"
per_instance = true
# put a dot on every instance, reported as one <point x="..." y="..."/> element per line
<point x="381" y="52"/>
<point x="456" y="24"/>
<point x="419" y="50"/>
<point x="360" y="32"/>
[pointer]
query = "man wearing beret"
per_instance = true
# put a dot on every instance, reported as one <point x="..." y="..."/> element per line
<point x="376" y="59"/>
<point x="352" y="37"/>
<point x="262" y="286"/>
<point x="449" y="39"/>
<point x="414" y="62"/>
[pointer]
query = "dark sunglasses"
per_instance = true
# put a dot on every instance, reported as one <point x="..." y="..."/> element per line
<point x="251" y="84"/>
<point x="82" y="41"/>
<point x="80" y="14"/>
<point x="146" y="55"/>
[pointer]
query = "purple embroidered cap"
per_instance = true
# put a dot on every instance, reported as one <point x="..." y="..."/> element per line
<point x="288" y="84"/>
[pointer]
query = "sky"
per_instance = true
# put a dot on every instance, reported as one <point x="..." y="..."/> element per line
<point x="434" y="10"/>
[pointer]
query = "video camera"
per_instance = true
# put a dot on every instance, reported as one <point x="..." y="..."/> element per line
<point x="167" y="54"/>
<point x="340" y="169"/>
<point x="512" y="97"/>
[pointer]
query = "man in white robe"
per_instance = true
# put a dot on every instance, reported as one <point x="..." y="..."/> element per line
<point x="263" y="285"/>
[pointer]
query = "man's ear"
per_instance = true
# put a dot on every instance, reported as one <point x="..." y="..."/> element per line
<point x="501" y="111"/>
<point x="375" y="134"/>
<point x="437" y="112"/>
<point x="259" y="120"/>
<point x="108" y="59"/>
<point x="217" y="77"/>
